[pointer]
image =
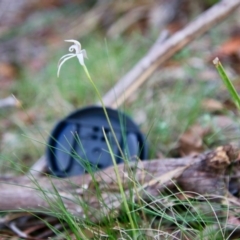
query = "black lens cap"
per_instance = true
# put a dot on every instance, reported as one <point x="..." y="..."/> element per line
<point x="77" y="144"/>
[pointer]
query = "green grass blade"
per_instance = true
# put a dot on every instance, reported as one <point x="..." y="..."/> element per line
<point x="227" y="82"/>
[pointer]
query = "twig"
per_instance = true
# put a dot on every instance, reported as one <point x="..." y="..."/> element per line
<point x="131" y="17"/>
<point x="89" y="21"/>
<point x="153" y="59"/>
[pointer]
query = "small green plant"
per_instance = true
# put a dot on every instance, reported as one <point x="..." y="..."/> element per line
<point x="81" y="54"/>
<point x="231" y="89"/>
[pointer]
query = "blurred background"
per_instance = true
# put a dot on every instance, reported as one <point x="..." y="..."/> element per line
<point x="182" y="109"/>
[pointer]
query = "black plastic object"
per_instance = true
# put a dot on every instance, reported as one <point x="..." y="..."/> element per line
<point x="77" y="143"/>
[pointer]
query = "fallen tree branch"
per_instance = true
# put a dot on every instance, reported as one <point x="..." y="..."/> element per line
<point x="162" y="52"/>
<point x="98" y="196"/>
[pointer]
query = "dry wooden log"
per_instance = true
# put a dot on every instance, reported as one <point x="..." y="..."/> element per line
<point x="39" y="167"/>
<point x="96" y="196"/>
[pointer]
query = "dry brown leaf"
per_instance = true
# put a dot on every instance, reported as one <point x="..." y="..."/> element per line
<point x="7" y="70"/>
<point x="191" y="142"/>
<point x="212" y="105"/>
<point x="27" y="117"/>
<point x="230" y="52"/>
<point x="230" y="105"/>
<point x="232" y="46"/>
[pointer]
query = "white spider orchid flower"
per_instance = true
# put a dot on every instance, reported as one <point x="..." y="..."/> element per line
<point x="79" y="53"/>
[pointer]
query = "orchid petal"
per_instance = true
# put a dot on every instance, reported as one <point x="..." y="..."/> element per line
<point x="75" y="42"/>
<point x="63" y="61"/>
<point x="70" y="54"/>
<point x="76" y="48"/>
<point x="60" y="61"/>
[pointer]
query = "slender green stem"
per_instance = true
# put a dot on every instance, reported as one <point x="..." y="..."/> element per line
<point x="104" y="109"/>
<point x="120" y="185"/>
<point x="111" y="153"/>
<point x="227" y="82"/>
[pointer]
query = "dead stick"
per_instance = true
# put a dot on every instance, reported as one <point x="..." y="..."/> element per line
<point x="149" y="63"/>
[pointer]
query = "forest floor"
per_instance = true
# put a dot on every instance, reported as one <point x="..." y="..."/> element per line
<point x="183" y="108"/>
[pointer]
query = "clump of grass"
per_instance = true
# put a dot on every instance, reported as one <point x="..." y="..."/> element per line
<point x="81" y="54"/>
<point x="168" y="215"/>
<point x="190" y="219"/>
